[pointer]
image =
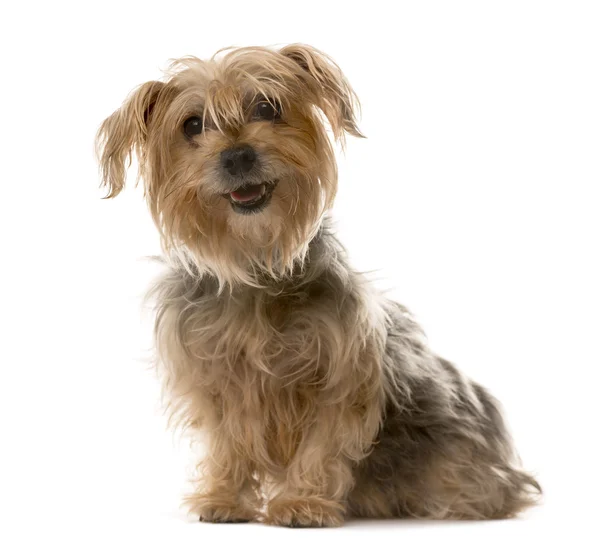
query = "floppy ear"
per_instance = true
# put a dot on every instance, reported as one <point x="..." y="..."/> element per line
<point x="331" y="91"/>
<point x="123" y="133"/>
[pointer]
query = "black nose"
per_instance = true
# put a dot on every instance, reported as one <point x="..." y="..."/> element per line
<point x="238" y="160"/>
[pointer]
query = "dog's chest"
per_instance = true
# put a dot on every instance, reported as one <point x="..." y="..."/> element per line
<point x="261" y="362"/>
<point x="258" y="338"/>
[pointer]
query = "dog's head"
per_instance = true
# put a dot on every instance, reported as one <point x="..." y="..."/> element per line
<point x="234" y="154"/>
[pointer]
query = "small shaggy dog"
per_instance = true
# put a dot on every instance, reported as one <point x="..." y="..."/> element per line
<point x="320" y="399"/>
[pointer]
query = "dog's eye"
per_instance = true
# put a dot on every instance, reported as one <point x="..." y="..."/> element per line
<point x="267" y="110"/>
<point x="192" y="126"/>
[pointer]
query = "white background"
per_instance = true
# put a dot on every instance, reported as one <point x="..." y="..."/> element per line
<point x="474" y="198"/>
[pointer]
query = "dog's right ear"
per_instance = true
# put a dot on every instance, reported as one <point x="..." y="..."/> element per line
<point x="123" y="133"/>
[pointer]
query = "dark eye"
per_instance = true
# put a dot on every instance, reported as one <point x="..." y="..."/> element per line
<point x="192" y="126"/>
<point x="267" y="110"/>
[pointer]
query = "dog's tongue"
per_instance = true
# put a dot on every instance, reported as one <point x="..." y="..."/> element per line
<point x="249" y="193"/>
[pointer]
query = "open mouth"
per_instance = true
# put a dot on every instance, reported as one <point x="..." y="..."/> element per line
<point x="251" y="197"/>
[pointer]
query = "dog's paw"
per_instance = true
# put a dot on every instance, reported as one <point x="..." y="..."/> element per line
<point x="304" y="512"/>
<point x="219" y="510"/>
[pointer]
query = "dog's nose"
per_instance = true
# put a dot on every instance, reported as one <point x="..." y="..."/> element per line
<point x="238" y="160"/>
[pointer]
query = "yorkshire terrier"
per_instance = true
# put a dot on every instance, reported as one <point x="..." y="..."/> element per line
<point x="319" y="398"/>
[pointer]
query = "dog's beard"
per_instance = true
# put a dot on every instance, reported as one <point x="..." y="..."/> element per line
<point x="253" y="247"/>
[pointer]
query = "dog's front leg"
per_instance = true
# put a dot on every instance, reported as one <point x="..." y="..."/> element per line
<point x="227" y="492"/>
<point x="335" y="434"/>
<point x="313" y="490"/>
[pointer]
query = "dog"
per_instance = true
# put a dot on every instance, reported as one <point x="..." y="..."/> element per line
<point x="318" y="398"/>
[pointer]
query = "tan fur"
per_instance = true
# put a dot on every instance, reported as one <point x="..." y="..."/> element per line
<point x="318" y="398"/>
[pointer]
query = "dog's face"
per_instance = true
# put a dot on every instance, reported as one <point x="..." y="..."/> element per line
<point x="234" y="154"/>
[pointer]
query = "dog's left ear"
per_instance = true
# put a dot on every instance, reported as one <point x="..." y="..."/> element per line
<point x="124" y="132"/>
<point x="330" y="90"/>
